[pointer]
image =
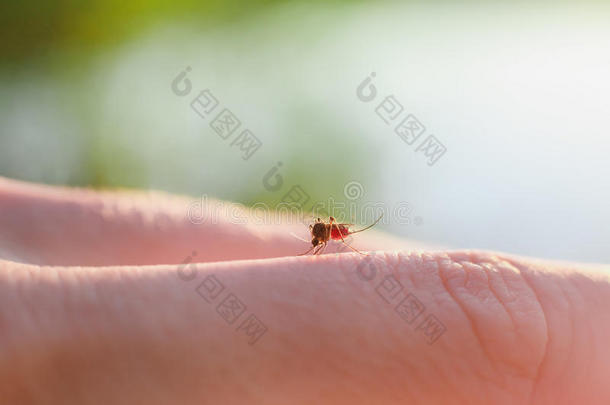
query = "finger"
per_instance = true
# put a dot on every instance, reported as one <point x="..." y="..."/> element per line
<point x="515" y="332"/>
<point x="60" y="226"/>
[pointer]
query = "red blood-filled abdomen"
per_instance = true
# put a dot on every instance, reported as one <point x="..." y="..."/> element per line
<point x="334" y="233"/>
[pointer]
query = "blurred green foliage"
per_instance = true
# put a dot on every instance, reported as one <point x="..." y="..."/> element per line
<point x="57" y="46"/>
<point x="37" y="28"/>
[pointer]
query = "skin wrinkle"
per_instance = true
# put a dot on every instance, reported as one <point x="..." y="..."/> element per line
<point x="585" y="361"/>
<point x="446" y="262"/>
<point x="468" y="268"/>
<point x="572" y="309"/>
<point x="534" y="376"/>
<point x="505" y="306"/>
<point x="591" y="344"/>
<point x="544" y="359"/>
<point x="492" y="286"/>
<point x="481" y="265"/>
<point x="529" y="288"/>
<point x="443" y="261"/>
<point x="420" y="263"/>
<point x="540" y="310"/>
<point x="437" y="261"/>
<point x="467" y="316"/>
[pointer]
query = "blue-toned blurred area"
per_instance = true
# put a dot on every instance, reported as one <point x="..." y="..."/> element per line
<point x="517" y="94"/>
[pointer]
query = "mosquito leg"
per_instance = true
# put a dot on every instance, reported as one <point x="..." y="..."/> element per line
<point x="320" y="247"/>
<point x="323" y="247"/>
<point x="332" y="223"/>
<point x="354" y="249"/>
<point x="303" y="254"/>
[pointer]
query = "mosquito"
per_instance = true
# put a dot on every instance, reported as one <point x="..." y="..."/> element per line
<point x="322" y="233"/>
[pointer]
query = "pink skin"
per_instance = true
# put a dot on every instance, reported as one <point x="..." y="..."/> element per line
<point x="518" y="330"/>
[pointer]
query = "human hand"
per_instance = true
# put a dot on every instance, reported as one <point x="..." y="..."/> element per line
<point x="101" y="302"/>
